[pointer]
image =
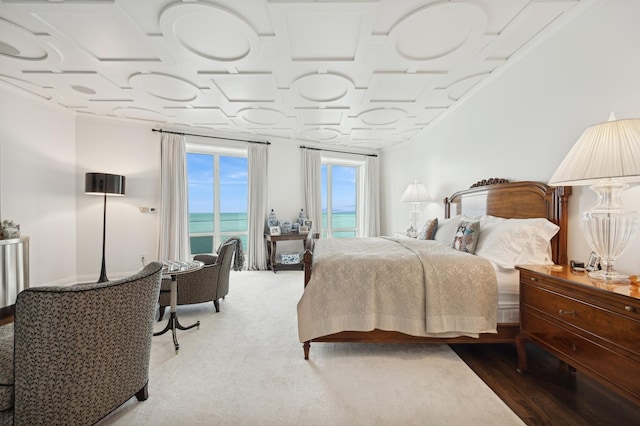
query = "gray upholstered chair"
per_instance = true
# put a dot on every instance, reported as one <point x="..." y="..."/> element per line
<point x="210" y="283"/>
<point x="76" y="353"/>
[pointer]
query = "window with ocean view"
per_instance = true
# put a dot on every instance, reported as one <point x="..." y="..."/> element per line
<point x="339" y="200"/>
<point x="218" y="201"/>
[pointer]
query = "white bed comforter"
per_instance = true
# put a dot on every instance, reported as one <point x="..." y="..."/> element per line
<point x="416" y="287"/>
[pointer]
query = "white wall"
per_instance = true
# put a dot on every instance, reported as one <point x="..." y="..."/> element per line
<point x="521" y="125"/>
<point x="38" y="182"/>
<point x="130" y="149"/>
<point x="121" y="147"/>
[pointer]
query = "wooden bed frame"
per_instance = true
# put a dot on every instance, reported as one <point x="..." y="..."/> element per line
<point x="519" y="200"/>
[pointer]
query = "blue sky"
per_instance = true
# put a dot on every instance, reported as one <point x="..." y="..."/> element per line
<point x="233" y="183"/>
<point x="343" y="185"/>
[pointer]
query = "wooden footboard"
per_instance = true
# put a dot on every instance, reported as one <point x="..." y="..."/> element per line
<point x="506" y="334"/>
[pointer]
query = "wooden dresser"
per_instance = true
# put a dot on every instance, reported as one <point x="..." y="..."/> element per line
<point x="593" y="327"/>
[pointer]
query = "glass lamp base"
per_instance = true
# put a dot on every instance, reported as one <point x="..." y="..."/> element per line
<point x="609" y="277"/>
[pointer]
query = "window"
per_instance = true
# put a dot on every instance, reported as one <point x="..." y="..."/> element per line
<point x="340" y="182"/>
<point x="218" y="200"/>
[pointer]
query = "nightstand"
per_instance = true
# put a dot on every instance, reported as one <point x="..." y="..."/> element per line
<point x="593" y="327"/>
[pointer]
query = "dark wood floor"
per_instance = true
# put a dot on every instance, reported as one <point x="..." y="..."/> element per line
<point x="547" y="393"/>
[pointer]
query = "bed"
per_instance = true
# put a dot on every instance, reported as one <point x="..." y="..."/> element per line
<point x="387" y="315"/>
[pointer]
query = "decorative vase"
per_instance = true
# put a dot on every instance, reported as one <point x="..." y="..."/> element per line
<point x="273" y="219"/>
<point x="286" y="226"/>
<point x="301" y="217"/>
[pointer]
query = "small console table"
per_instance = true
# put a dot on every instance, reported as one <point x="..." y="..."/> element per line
<point x="272" y="241"/>
<point x="174" y="268"/>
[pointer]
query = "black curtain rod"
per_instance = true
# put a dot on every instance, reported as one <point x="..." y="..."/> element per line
<point x="213" y="137"/>
<point x="341" y="152"/>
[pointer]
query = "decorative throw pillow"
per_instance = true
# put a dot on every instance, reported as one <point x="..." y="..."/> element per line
<point x="466" y="237"/>
<point x="428" y="231"/>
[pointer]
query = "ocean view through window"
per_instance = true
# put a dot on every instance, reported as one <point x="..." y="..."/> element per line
<point x="339" y="200"/>
<point x="218" y="200"/>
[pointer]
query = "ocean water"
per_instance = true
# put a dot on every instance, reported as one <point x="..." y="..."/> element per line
<point x="231" y="224"/>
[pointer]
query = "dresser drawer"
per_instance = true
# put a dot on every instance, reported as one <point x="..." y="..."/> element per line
<point x="588" y="292"/>
<point x="620" y="371"/>
<point x="620" y="330"/>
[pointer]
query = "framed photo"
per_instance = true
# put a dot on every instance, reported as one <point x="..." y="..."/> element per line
<point x="303" y="229"/>
<point x="594" y="262"/>
<point x="274" y="230"/>
<point x="308" y="223"/>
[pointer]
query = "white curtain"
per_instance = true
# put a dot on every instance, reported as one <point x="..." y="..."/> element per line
<point x="174" y="209"/>
<point x="312" y="187"/>
<point x="258" y="198"/>
<point x="371" y="202"/>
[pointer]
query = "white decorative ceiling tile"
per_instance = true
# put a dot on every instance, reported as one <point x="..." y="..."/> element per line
<point x="365" y="73"/>
<point x="426" y="115"/>
<point x="457" y="89"/>
<point x="527" y="25"/>
<point x="252" y="87"/>
<point x="440" y="34"/>
<point x="75" y="87"/>
<point x="261" y="116"/>
<point x="321" y="134"/>
<point x="398" y="87"/>
<point x="165" y="87"/>
<point x="323" y="36"/>
<point x="322" y="88"/>
<point x="322" y="117"/>
<point x="19" y="44"/>
<point x="200" y="116"/>
<point x="27" y="86"/>
<point x="210" y="32"/>
<point x="140" y="114"/>
<point x="100" y="31"/>
<point x="382" y="116"/>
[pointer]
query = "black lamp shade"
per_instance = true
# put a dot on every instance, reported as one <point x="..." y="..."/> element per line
<point x="104" y="183"/>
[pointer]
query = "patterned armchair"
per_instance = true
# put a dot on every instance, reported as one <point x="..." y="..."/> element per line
<point x="210" y="283"/>
<point x="76" y="353"/>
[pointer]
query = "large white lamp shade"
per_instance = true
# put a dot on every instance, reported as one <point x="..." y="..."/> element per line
<point x="606" y="157"/>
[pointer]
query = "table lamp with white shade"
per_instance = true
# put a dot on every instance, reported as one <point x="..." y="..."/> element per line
<point x="415" y="193"/>
<point x="606" y="157"/>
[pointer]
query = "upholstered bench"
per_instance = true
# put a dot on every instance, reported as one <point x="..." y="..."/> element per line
<point x="6" y="368"/>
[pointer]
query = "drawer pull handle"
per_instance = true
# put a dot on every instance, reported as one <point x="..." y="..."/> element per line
<point x="534" y="279"/>
<point x="630" y="308"/>
<point x="573" y="347"/>
<point x="563" y="312"/>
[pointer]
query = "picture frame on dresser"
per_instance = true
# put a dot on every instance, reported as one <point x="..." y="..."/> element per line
<point x="274" y="230"/>
<point x="594" y="262"/>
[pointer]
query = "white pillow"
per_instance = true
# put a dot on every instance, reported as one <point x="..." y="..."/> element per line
<point x="446" y="229"/>
<point x="513" y="242"/>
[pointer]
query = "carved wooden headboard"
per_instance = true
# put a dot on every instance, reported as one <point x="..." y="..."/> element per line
<point x="520" y="200"/>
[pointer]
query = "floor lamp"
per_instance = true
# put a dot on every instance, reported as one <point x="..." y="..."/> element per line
<point x="104" y="184"/>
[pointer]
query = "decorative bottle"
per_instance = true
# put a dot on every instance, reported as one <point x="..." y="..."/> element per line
<point x="301" y="217"/>
<point x="273" y="219"/>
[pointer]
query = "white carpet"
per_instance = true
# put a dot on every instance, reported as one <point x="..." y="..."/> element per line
<point x="245" y="366"/>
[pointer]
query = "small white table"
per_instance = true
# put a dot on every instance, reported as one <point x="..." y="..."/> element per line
<point x="174" y="268"/>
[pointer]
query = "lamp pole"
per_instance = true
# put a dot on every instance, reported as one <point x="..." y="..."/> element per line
<point x="103" y="270"/>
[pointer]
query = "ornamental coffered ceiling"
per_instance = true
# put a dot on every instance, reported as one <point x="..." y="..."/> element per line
<point x="361" y="73"/>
